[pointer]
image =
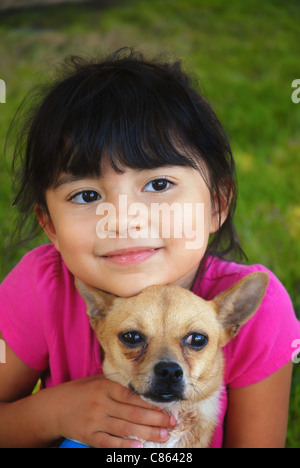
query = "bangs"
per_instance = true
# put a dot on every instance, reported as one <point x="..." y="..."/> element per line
<point x="124" y="145"/>
<point x="127" y="111"/>
<point x="128" y="123"/>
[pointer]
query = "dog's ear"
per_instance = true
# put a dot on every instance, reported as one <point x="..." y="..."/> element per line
<point x="99" y="303"/>
<point x="238" y="304"/>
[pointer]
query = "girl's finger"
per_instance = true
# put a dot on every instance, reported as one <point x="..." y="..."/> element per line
<point x="122" y="394"/>
<point x="102" y="440"/>
<point x="136" y="414"/>
<point x="124" y="429"/>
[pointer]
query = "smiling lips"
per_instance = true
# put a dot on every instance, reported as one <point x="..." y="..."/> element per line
<point x="130" y="256"/>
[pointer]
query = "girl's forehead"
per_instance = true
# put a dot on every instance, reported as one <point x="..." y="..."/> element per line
<point x="178" y="174"/>
<point x="109" y="177"/>
<point x="107" y="169"/>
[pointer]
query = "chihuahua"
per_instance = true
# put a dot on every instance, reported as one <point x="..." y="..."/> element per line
<point x="165" y="344"/>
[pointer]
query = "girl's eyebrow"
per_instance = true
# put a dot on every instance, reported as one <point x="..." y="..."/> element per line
<point x="66" y="179"/>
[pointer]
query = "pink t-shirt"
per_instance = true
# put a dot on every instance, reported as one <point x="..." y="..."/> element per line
<point x="43" y="320"/>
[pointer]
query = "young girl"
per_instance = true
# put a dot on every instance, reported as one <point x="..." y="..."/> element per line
<point x="128" y="127"/>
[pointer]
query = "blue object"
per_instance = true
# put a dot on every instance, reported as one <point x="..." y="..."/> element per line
<point x="67" y="443"/>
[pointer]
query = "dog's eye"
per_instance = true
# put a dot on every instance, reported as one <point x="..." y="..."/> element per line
<point x="196" y="341"/>
<point x="132" y="338"/>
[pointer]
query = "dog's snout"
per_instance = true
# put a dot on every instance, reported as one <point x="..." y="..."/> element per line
<point x="168" y="371"/>
<point x="167" y="384"/>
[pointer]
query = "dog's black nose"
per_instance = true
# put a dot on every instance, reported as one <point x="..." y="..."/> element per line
<point x="167" y="384"/>
<point x="169" y="371"/>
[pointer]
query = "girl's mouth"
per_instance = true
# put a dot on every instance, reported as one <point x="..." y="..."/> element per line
<point x="130" y="256"/>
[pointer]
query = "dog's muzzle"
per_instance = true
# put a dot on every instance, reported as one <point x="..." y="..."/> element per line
<point x="167" y="384"/>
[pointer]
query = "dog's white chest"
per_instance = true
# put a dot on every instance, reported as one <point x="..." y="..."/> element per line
<point x="172" y="442"/>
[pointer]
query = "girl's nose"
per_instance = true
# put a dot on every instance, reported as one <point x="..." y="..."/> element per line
<point x="131" y="217"/>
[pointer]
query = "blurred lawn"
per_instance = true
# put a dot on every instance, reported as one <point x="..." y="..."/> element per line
<point x="246" y="55"/>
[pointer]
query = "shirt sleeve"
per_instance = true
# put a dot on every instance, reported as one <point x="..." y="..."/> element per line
<point x="25" y="297"/>
<point x="264" y="344"/>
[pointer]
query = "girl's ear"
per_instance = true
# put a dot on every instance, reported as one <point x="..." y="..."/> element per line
<point x="46" y="224"/>
<point x="220" y="209"/>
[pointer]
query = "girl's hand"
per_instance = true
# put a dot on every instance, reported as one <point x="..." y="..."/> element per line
<point x="101" y="414"/>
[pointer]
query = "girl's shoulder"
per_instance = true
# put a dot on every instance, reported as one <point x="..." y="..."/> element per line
<point x="221" y="274"/>
<point x="32" y="298"/>
<point x="265" y="343"/>
<point x="45" y="256"/>
<point x="42" y="268"/>
<point x="39" y="282"/>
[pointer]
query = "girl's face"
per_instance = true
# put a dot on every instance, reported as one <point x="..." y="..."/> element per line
<point x="122" y="248"/>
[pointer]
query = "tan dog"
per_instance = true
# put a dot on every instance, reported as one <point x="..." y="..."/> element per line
<point x="165" y="345"/>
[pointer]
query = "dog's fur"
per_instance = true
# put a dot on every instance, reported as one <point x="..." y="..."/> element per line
<point x="165" y="344"/>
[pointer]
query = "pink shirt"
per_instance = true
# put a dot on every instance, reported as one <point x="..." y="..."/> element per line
<point x="43" y="320"/>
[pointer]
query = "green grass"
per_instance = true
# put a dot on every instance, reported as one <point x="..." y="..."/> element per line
<point x="246" y="55"/>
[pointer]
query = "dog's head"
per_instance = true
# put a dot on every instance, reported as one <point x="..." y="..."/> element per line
<point x="164" y="344"/>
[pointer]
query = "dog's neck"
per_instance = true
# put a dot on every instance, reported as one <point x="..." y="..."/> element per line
<point x="196" y="423"/>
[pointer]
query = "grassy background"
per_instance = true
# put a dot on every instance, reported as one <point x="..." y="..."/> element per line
<point x="246" y="55"/>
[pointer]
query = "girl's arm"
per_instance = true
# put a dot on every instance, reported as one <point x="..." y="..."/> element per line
<point x="19" y="426"/>
<point x="257" y="415"/>
<point x="94" y="410"/>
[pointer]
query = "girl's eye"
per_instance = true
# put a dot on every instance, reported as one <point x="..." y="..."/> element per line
<point x="87" y="196"/>
<point x="158" y="185"/>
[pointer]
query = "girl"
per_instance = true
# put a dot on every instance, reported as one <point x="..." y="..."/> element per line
<point x="127" y="127"/>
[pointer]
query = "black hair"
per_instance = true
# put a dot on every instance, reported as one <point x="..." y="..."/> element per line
<point x="136" y="113"/>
